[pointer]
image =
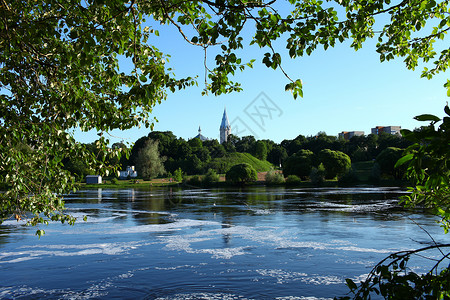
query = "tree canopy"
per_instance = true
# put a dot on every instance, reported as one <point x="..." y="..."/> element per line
<point x="59" y="69"/>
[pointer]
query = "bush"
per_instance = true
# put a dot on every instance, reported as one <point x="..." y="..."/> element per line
<point x="274" y="177"/>
<point x="299" y="164"/>
<point x="178" y="175"/>
<point x="210" y="177"/>
<point x="348" y="178"/>
<point x="335" y="162"/>
<point x="387" y="159"/>
<point x="241" y="174"/>
<point x="195" y="180"/>
<point x="114" y="181"/>
<point x="317" y="175"/>
<point x="293" y="180"/>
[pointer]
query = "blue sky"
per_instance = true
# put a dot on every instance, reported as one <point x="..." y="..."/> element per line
<point x="344" y="90"/>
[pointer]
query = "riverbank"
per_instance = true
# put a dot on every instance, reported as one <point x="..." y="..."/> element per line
<point x="161" y="182"/>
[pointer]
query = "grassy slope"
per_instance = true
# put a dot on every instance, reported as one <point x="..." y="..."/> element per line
<point x="223" y="164"/>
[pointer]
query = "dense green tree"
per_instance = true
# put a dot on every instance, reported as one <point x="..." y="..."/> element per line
<point x="317" y="175"/>
<point x="245" y="144"/>
<point x="138" y="145"/>
<point x="149" y="163"/>
<point x="387" y="160"/>
<point x="195" y="144"/>
<point x="277" y="155"/>
<point x="59" y="69"/>
<point x="335" y="162"/>
<point x="241" y="174"/>
<point x="166" y="140"/>
<point x="261" y="150"/>
<point x="299" y="164"/>
<point x="216" y="150"/>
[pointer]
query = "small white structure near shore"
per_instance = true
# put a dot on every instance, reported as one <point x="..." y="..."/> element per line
<point x="128" y="173"/>
<point x="93" y="179"/>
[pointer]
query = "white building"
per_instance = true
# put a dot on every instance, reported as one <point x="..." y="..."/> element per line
<point x="387" y="129"/>
<point x="225" y="128"/>
<point x="129" y="172"/>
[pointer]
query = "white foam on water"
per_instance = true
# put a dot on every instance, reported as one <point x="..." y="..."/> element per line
<point x="183" y="243"/>
<point x="280" y="275"/>
<point x="360" y="278"/>
<point x="202" y="296"/>
<point x="322" y="280"/>
<point x="283" y="277"/>
<point x="262" y="211"/>
<point x="301" y="298"/>
<point x="226" y="253"/>
<point x="177" y="225"/>
<point x="118" y="248"/>
<point x="368" y="250"/>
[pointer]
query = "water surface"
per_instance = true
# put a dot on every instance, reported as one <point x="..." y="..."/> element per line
<point x="250" y="243"/>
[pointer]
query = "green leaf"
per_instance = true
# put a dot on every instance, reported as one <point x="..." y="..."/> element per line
<point x="447" y="110"/>
<point x="143" y="78"/>
<point x="351" y="285"/>
<point x="403" y="160"/>
<point x="427" y="117"/>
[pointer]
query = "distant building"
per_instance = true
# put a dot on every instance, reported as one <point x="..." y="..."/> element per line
<point x="387" y="129"/>
<point x="200" y="136"/>
<point x="93" y="179"/>
<point x="346" y="135"/>
<point x="225" y="128"/>
<point x="129" y="172"/>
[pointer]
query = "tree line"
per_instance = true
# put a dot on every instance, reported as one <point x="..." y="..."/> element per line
<point x="162" y="153"/>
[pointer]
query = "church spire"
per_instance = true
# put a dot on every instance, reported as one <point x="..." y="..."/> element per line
<point x="225" y="127"/>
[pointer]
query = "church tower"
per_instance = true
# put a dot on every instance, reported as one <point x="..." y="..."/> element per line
<point x="225" y="128"/>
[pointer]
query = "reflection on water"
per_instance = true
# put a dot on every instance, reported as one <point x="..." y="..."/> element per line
<point x="173" y="243"/>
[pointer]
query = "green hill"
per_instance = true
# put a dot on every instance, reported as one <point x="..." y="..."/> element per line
<point x="223" y="164"/>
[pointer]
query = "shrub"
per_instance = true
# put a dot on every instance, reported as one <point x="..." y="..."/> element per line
<point x="293" y="180"/>
<point x="178" y="175"/>
<point x="274" y="177"/>
<point x="348" y="178"/>
<point x="194" y="180"/>
<point x="387" y="159"/>
<point x="317" y="175"/>
<point x="114" y="181"/>
<point x="299" y="164"/>
<point x="210" y="177"/>
<point x="335" y="162"/>
<point x="241" y="174"/>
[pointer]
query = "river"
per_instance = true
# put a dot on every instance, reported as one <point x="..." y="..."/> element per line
<point x="174" y="243"/>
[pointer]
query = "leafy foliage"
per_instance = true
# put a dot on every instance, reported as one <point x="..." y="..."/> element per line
<point x="299" y="164"/>
<point x="274" y="177"/>
<point x="149" y="163"/>
<point x="387" y="160"/>
<point x="178" y="175"/>
<point x="335" y="162"/>
<point x="293" y="180"/>
<point x="427" y="163"/>
<point x="59" y="69"/>
<point x="392" y="278"/>
<point x="241" y="174"/>
<point x="223" y="164"/>
<point x="317" y="175"/>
